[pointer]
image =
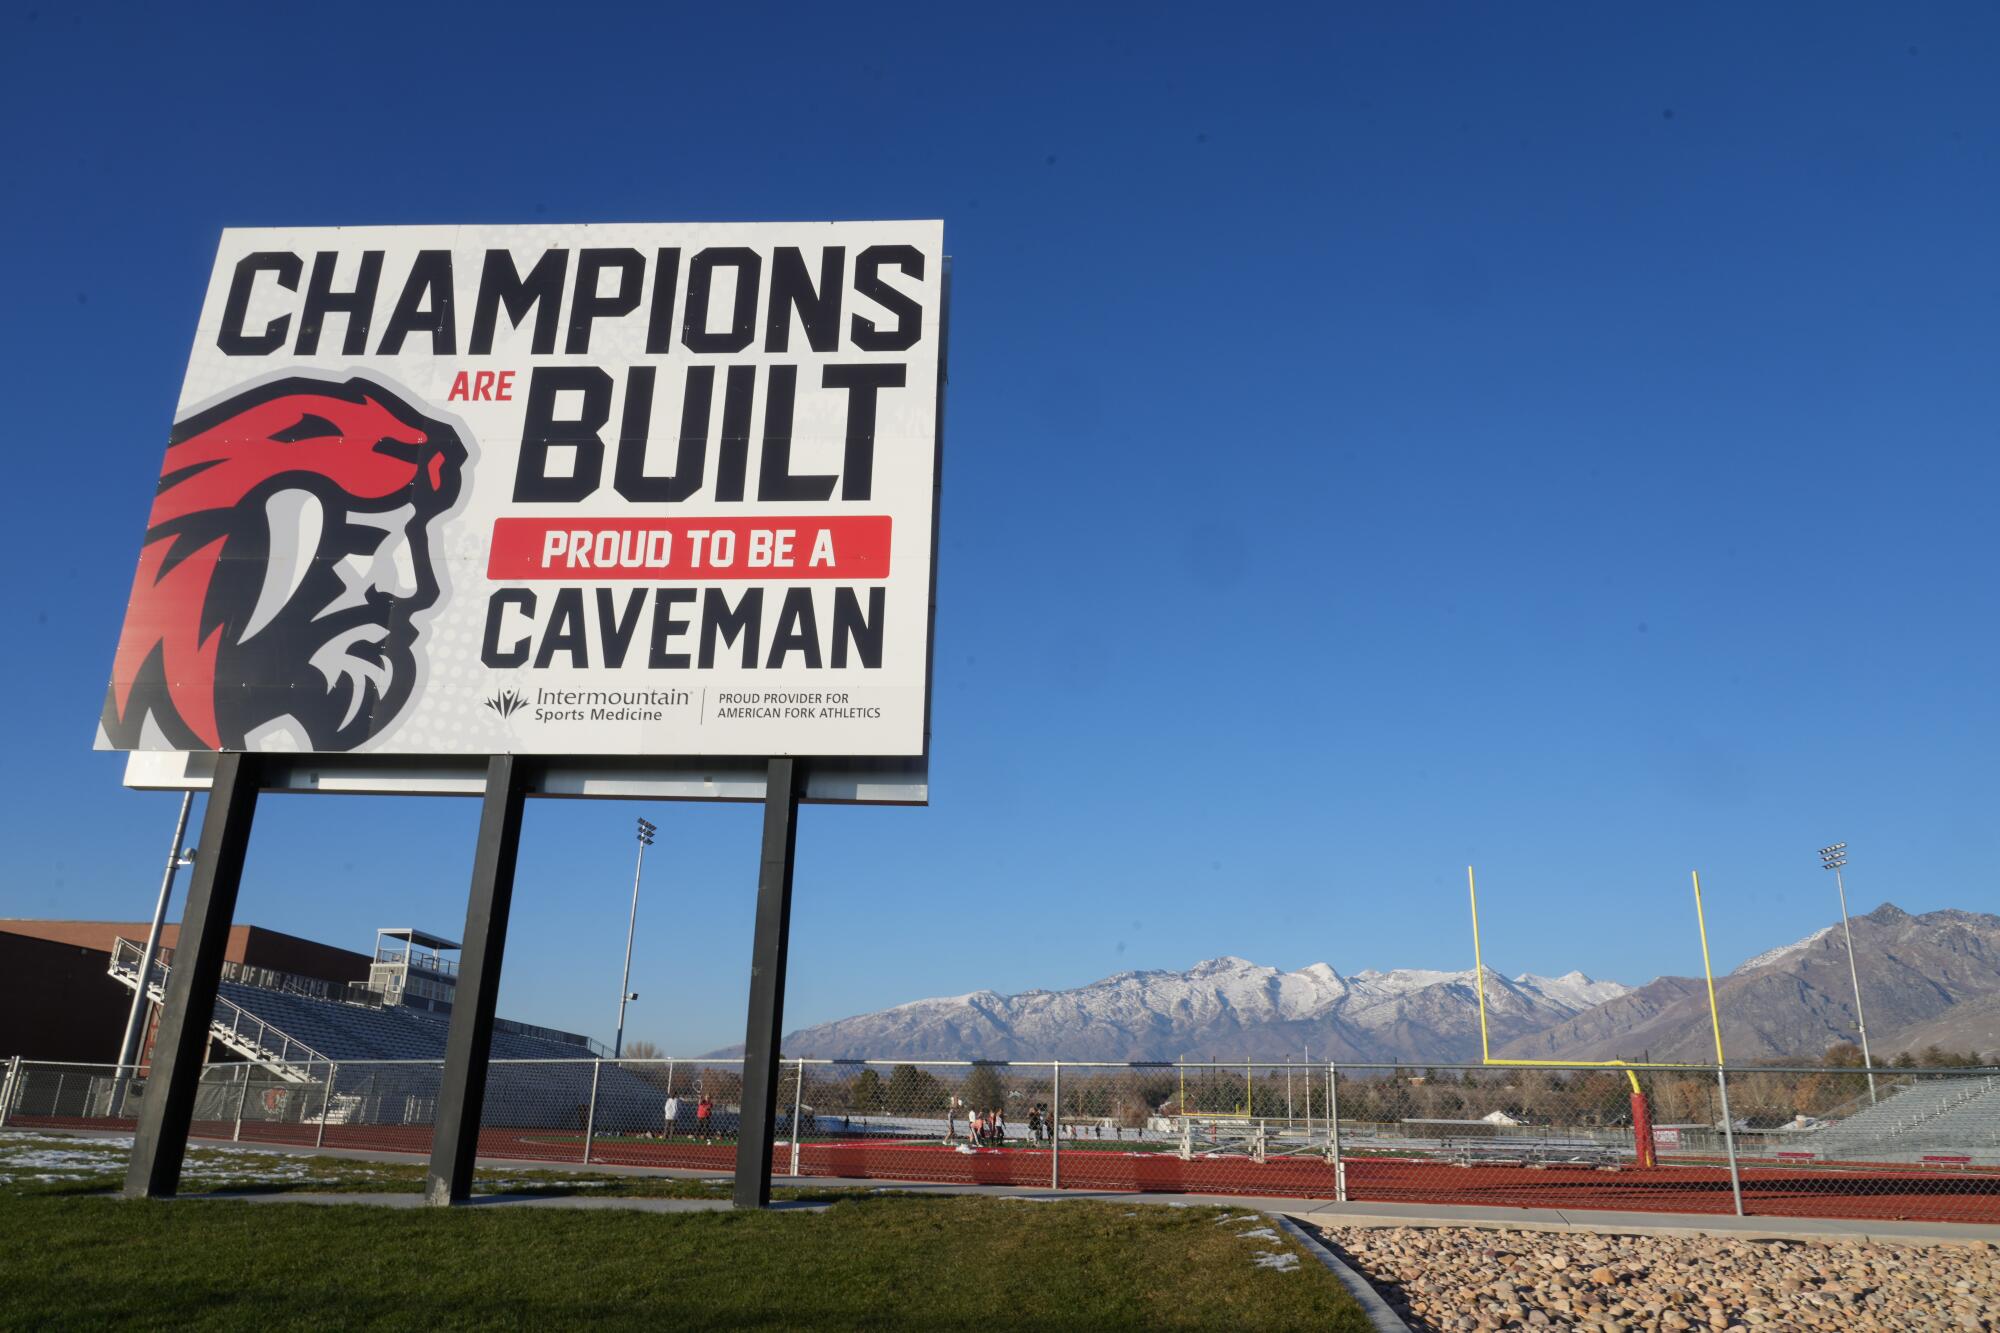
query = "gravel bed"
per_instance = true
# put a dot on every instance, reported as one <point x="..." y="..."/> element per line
<point x="1459" y="1280"/>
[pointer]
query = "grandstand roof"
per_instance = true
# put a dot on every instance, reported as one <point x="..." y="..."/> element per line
<point x="422" y="937"/>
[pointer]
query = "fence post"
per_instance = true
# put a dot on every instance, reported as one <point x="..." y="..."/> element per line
<point x="1729" y="1140"/>
<point x="55" y="1107"/>
<point x="7" y="1087"/>
<point x="590" y="1116"/>
<point x="1333" y="1132"/>
<point x="1055" y="1128"/>
<point x="798" y="1103"/>
<point x="326" y="1099"/>
<point x="242" y="1095"/>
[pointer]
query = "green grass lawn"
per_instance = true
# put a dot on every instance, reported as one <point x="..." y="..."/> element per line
<point x="70" y="1257"/>
<point x="872" y="1261"/>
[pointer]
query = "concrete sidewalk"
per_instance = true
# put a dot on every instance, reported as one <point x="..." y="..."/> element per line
<point x="1314" y="1212"/>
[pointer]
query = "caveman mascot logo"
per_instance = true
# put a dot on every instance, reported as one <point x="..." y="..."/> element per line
<point x="288" y="555"/>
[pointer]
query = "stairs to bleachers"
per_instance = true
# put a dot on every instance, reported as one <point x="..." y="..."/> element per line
<point x="242" y="1030"/>
<point x="385" y="1060"/>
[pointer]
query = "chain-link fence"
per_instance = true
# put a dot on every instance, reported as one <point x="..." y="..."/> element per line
<point x="1904" y="1144"/>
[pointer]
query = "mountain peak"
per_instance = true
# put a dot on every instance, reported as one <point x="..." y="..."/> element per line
<point x="1228" y="962"/>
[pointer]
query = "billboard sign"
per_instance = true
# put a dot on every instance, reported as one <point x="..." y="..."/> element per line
<point x="563" y="490"/>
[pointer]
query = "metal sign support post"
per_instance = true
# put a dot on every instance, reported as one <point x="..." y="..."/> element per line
<point x="468" y="1044"/>
<point x="167" y="1110"/>
<point x="756" y="1133"/>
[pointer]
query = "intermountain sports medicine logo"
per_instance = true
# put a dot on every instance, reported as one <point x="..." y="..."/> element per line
<point x="289" y="548"/>
<point x="507" y="702"/>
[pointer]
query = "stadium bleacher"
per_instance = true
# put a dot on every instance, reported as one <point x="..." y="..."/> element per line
<point x="1955" y="1117"/>
<point x="384" y="1057"/>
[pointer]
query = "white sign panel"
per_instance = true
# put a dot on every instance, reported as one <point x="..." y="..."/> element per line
<point x="567" y="490"/>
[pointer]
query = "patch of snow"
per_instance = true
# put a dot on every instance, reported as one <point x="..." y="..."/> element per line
<point x="1281" y="1263"/>
<point x="1572" y="989"/>
<point x="1770" y="956"/>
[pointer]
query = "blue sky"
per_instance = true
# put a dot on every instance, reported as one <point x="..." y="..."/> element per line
<point x="1379" y="438"/>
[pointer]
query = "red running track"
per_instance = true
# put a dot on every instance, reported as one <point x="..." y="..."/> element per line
<point x="1862" y="1192"/>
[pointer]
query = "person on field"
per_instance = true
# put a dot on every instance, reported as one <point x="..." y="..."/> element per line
<point x="999" y="1123"/>
<point x="704" y="1111"/>
<point x="951" y="1120"/>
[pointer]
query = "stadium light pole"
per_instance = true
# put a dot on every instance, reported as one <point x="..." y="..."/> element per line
<point x="1833" y="858"/>
<point x="128" y="1049"/>
<point x="625" y="995"/>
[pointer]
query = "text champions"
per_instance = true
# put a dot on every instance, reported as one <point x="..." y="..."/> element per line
<point x="700" y="417"/>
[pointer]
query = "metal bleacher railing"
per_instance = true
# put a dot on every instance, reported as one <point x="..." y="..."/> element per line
<point x="300" y="1023"/>
<point x="1803" y="1141"/>
<point x="234" y="1026"/>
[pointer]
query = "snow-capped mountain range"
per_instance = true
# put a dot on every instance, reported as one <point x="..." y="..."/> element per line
<point x="1928" y="978"/>
<point x="1227" y="1008"/>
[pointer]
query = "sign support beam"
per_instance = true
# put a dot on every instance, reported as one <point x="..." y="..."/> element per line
<point x="167" y="1110"/>
<point x="756" y="1132"/>
<point x="469" y="1042"/>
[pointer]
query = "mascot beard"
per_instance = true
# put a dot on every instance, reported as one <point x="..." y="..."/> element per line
<point x="288" y="552"/>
